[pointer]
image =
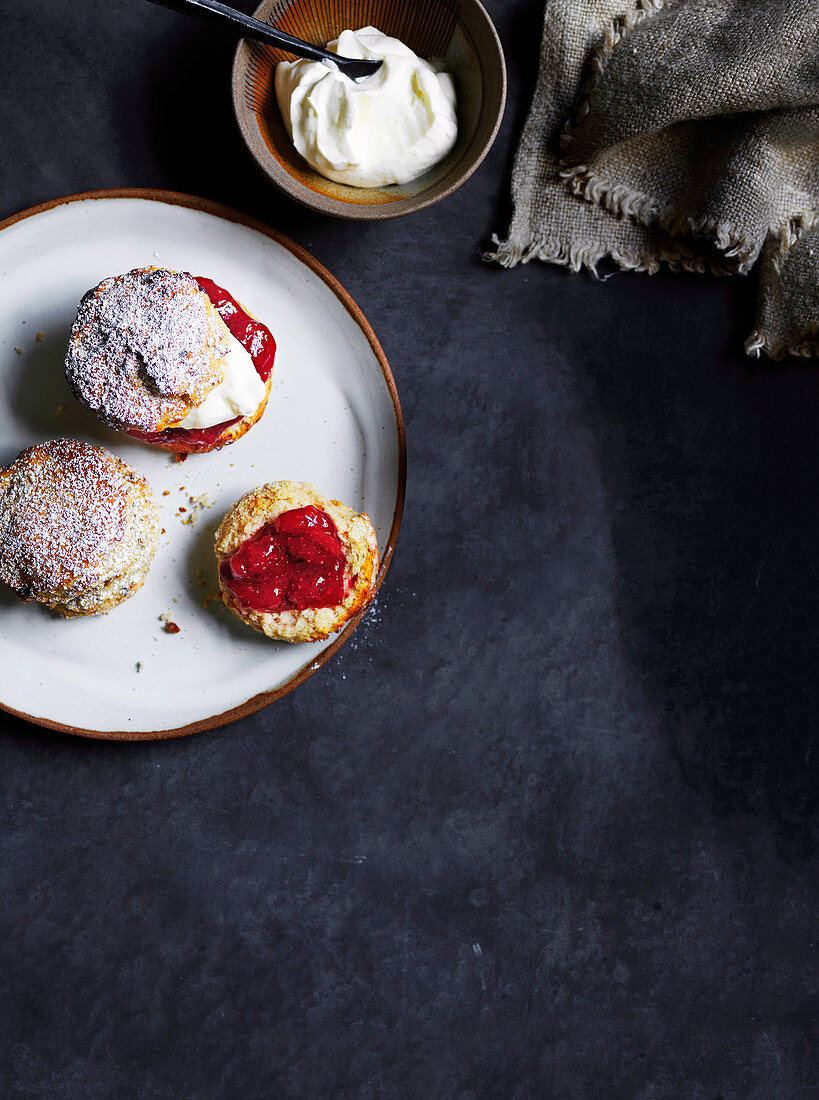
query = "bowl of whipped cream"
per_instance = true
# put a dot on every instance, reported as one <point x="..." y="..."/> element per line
<point x="386" y="144"/>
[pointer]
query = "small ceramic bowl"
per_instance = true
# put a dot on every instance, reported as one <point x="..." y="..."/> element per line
<point x="457" y="34"/>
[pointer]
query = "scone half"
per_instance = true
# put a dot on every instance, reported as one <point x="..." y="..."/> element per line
<point x="258" y="520"/>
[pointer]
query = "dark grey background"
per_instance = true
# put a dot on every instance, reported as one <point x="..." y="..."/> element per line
<point x="544" y="827"/>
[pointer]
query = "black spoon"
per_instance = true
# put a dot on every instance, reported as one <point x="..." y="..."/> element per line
<point x="223" y="16"/>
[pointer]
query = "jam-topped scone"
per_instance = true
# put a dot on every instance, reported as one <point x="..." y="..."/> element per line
<point x="172" y="360"/>
<point x="293" y="564"/>
<point x="78" y="527"/>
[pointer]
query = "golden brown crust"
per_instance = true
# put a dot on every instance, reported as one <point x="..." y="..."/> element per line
<point x="261" y="506"/>
<point x="78" y="527"/>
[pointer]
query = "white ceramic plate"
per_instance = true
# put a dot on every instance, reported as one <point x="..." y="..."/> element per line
<point x="333" y="419"/>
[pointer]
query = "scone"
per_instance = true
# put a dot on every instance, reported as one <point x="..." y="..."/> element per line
<point x="170" y="359"/>
<point x="78" y="527"/>
<point x="293" y="564"/>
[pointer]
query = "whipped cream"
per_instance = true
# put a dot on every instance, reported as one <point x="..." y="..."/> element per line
<point x="390" y="127"/>
<point x="239" y="393"/>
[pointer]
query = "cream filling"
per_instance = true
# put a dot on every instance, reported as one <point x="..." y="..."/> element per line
<point x="390" y="127"/>
<point x="240" y="392"/>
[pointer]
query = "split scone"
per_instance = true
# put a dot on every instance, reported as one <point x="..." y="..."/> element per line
<point x="172" y="360"/>
<point x="293" y="564"/>
<point x="78" y="527"/>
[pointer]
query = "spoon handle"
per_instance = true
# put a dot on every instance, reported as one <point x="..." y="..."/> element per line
<point x="220" y="15"/>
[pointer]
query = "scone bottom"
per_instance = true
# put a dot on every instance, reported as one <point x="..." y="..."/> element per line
<point x="294" y="565"/>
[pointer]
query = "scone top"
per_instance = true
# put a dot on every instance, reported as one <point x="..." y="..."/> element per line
<point x="146" y="347"/>
<point x="62" y="516"/>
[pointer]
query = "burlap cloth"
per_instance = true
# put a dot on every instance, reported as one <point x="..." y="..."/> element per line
<point x="683" y="132"/>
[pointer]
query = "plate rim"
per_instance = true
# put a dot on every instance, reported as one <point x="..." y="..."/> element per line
<point x="229" y="213"/>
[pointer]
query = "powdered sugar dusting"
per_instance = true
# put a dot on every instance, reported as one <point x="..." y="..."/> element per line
<point x="145" y="347"/>
<point x="62" y="511"/>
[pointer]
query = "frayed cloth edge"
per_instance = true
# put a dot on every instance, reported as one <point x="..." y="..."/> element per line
<point x="788" y="233"/>
<point x="759" y="341"/>
<point x="783" y="238"/>
<point x="589" y="253"/>
<point x="622" y="201"/>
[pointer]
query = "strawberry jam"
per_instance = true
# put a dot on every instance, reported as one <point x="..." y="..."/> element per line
<point x="254" y="337"/>
<point x="293" y="563"/>
<point x="258" y="342"/>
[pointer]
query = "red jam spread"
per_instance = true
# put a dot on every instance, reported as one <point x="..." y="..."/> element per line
<point x="252" y="335"/>
<point x="293" y="563"/>
<point x="255" y="338"/>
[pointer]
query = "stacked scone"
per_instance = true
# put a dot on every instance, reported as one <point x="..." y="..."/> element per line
<point x="174" y="361"/>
